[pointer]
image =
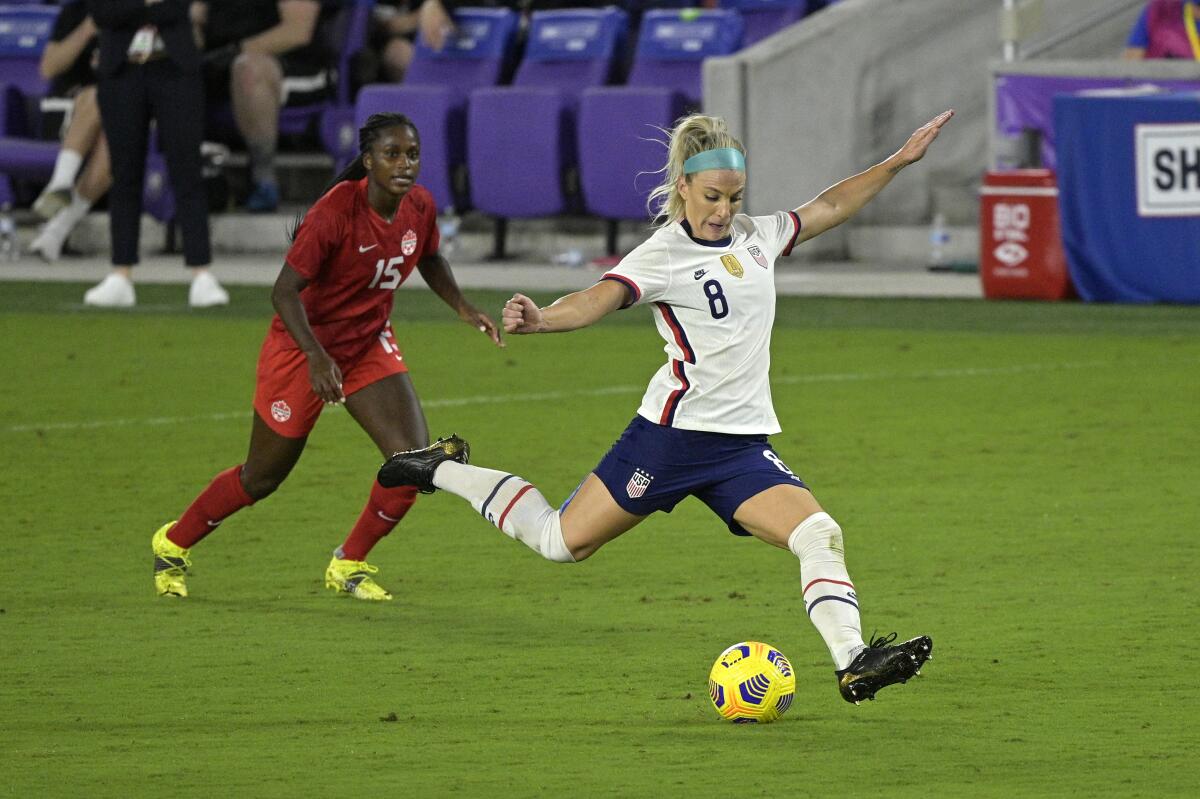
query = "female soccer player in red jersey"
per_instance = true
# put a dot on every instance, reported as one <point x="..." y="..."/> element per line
<point x="331" y="343"/>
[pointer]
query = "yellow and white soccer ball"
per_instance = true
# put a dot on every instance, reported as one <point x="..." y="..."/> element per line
<point x="751" y="682"/>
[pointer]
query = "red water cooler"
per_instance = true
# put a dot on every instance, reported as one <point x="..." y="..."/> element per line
<point x="1020" y="243"/>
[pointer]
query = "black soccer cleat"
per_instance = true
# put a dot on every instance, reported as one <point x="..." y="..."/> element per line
<point x="881" y="665"/>
<point x="415" y="467"/>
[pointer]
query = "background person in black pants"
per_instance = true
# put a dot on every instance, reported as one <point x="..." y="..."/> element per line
<point x="150" y="69"/>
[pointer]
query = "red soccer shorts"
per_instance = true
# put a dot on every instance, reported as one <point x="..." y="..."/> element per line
<point x="283" y="396"/>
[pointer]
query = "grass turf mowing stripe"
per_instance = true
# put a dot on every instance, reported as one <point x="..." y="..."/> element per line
<point x="546" y="396"/>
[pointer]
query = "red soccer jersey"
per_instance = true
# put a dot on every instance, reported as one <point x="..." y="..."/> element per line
<point x="354" y="259"/>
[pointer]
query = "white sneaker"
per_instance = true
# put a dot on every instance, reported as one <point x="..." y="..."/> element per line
<point x="114" y="291"/>
<point x="206" y="292"/>
<point x="48" y="244"/>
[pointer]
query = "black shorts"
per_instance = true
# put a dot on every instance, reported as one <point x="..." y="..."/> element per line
<point x="305" y="81"/>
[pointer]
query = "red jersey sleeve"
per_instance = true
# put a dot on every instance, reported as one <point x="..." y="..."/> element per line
<point x="317" y="239"/>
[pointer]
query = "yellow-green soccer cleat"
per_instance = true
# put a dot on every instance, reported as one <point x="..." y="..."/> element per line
<point x="353" y="577"/>
<point x="171" y="563"/>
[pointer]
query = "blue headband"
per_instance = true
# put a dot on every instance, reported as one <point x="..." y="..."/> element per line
<point x="722" y="158"/>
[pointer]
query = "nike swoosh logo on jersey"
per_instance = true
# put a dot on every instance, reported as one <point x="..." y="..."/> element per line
<point x="364" y="249"/>
<point x="212" y="523"/>
<point x="700" y="273"/>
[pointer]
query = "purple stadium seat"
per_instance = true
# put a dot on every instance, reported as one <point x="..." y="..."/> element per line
<point x="27" y="158"/>
<point x="434" y="93"/>
<point x="335" y="126"/>
<point x="476" y="56"/>
<point x="24" y="31"/>
<point x="520" y="138"/>
<point x="673" y="44"/>
<point x="619" y="144"/>
<point x="764" y="18"/>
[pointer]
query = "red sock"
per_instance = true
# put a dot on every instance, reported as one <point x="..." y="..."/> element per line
<point x="384" y="510"/>
<point x="223" y="498"/>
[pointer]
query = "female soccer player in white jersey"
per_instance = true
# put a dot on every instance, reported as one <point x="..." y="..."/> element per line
<point x="703" y="423"/>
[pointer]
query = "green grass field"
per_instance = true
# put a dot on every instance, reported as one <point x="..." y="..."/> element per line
<point x="1018" y="481"/>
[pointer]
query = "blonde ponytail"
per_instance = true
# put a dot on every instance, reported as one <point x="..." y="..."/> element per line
<point x="691" y="135"/>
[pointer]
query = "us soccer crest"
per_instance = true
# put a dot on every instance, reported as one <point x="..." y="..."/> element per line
<point x="730" y="262"/>
<point x="757" y="254"/>
<point x="638" y="483"/>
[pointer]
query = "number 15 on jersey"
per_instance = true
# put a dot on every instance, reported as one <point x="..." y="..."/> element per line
<point x="387" y="276"/>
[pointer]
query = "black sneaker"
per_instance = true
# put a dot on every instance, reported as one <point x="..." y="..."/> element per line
<point x="881" y="665"/>
<point x="415" y="467"/>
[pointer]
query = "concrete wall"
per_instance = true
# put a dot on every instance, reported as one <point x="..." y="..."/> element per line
<point x="845" y="88"/>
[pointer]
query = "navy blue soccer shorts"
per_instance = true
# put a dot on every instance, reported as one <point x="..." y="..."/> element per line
<point x="652" y="468"/>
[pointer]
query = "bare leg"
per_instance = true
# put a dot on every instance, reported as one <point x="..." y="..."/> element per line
<point x="97" y="174"/>
<point x="56" y="197"/>
<point x="594" y="518"/>
<point x="90" y="187"/>
<point x="269" y="461"/>
<point x="773" y="514"/>
<point x="397" y="55"/>
<point x="390" y="412"/>
<point x="85" y="122"/>
<point x="255" y="86"/>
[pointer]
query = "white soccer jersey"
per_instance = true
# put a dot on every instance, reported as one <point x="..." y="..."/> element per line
<point x="714" y="307"/>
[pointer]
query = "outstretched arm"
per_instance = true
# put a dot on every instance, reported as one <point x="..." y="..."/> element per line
<point x="58" y="56"/>
<point x="522" y="315"/>
<point x="437" y="275"/>
<point x="843" y="200"/>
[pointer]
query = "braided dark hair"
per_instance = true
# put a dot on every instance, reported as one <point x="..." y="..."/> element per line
<point x="368" y="134"/>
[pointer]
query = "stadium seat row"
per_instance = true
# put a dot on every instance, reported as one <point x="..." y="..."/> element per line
<point x="559" y="138"/>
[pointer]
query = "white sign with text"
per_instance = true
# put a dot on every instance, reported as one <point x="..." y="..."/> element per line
<point x="1168" y="169"/>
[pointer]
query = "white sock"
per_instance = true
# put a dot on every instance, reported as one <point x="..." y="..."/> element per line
<point x="511" y="504"/>
<point x="66" y="168"/>
<point x="829" y="595"/>
<point x="71" y="215"/>
<point x="55" y="232"/>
